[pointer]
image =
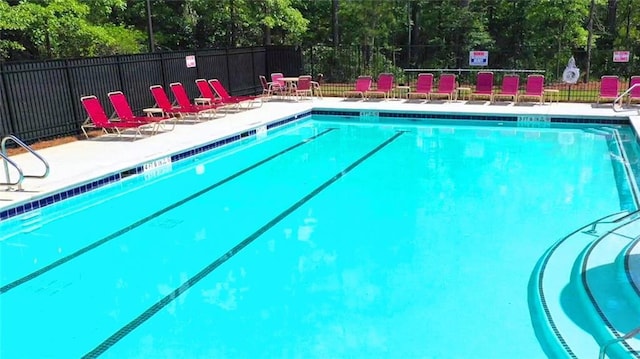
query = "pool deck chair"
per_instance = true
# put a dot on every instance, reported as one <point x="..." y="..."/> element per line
<point x="446" y="87"/>
<point x="363" y="84"/>
<point x="270" y="88"/>
<point x="125" y="113"/>
<point x="509" y="89"/>
<point x="424" y="85"/>
<point x="534" y="89"/>
<point x="304" y="87"/>
<point x="207" y="95"/>
<point x="634" y="94"/>
<point x="240" y="102"/>
<point x="163" y="102"/>
<point x="484" y="86"/>
<point x="189" y="109"/>
<point x="609" y="88"/>
<point x="98" y="119"/>
<point x="384" y="86"/>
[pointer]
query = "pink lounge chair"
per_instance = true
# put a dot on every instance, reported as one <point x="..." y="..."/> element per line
<point x="207" y="95"/>
<point x="186" y="107"/>
<point x="634" y="94"/>
<point x="446" y="87"/>
<point x="236" y="101"/>
<point x="609" y="88"/>
<point x="383" y="87"/>
<point x="98" y="119"/>
<point x="509" y="88"/>
<point x="534" y="89"/>
<point x="424" y="85"/>
<point x="125" y="113"/>
<point x="484" y="86"/>
<point x="363" y="84"/>
<point x="163" y="102"/>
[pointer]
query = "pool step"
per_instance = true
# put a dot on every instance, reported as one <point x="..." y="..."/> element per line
<point x="554" y="296"/>
<point x="31" y="221"/>
<point x="608" y="297"/>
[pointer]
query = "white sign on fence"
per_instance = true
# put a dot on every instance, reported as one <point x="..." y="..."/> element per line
<point x="478" y="58"/>
<point x="191" y="60"/>
<point x="621" y="56"/>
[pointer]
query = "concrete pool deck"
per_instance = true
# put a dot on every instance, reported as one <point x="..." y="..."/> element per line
<point x="81" y="161"/>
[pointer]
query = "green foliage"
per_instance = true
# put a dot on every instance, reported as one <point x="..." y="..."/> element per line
<point x="375" y="35"/>
<point x="60" y="28"/>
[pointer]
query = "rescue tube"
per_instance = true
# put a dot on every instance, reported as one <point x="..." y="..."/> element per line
<point x="571" y="75"/>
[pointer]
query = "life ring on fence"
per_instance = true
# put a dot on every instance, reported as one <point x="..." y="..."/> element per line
<point x="571" y="75"/>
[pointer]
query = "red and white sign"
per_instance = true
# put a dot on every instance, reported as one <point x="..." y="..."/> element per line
<point x="191" y="60"/>
<point x="621" y="56"/>
<point x="478" y="58"/>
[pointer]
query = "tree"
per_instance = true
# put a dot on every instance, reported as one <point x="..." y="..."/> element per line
<point x="61" y="28"/>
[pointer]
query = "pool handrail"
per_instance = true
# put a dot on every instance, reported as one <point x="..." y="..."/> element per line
<point x="7" y="161"/>
<point x="622" y="95"/>
<point x="605" y="346"/>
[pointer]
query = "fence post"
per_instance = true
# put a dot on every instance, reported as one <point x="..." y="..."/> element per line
<point x="162" y="70"/>
<point x="11" y="126"/>
<point x="226" y="50"/>
<point x="76" y="116"/>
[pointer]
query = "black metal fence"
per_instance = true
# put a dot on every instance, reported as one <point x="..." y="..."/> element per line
<point x="340" y="66"/>
<point x="41" y="100"/>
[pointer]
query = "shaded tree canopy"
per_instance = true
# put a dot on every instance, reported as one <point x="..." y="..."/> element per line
<point x="535" y="32"/>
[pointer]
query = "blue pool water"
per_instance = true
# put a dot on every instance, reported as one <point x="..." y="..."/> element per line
<point x="324" y="239"/>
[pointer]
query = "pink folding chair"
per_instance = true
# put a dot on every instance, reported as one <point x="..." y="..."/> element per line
<point x="236" y="101"/>
<point x="609" y="88"/>
<point x="509" y="88"/>
<point x="484" y="86"/>
<point x="277" y="78"/>
<point x="98" y="119"/>
<point x="125" y="113"/>
<point x="383" y="87"/>
<point x="446" y="87"/>
<point x="534" y="88"/>
<point x="424" y="85"/>
<point x="186" y="107"/>
<point x="303" y="87"/>
<point x="363" y="84"/>
<point x="634" y="93"/>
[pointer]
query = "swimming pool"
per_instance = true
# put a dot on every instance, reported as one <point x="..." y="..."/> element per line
<point x="327" y="238"/>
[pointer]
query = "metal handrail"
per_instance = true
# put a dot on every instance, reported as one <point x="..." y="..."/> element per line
<point x="622" y="95"/>
<point x="603" y="348"/>
<point x="7" y="161"/>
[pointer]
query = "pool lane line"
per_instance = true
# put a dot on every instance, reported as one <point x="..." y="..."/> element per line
<point x="155" y="308"/>
<point x="148" y="218"/>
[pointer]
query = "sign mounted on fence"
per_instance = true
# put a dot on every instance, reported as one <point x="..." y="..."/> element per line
<point x="478" y="58"/>
<point x="191" y="60"/>
<point x="621" y="56"/>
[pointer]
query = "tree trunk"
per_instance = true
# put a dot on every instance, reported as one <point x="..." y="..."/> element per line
<point x="334" y="22"/>
<point x="266" y="31"/>
<point x="589" y="40"/>
<point x="612" y="11"/>
<point x="415" y="31"/>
